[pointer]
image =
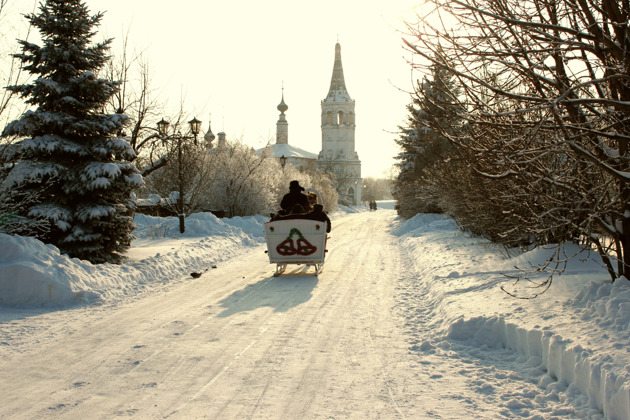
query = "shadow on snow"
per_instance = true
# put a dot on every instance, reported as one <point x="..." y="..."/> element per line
<point x="280" y="293"/>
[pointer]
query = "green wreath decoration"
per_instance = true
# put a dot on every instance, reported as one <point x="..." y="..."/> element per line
<point x="288" y="247"/>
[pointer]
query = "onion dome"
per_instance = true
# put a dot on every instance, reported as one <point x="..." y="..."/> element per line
<point x="282" y="107"/>
<point x="209" y="137"/>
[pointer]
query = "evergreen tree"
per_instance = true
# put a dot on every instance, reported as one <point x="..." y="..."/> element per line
<point x="423" y="146"/>
<point x="70" y="170"/>
<point x="407" y="190"/>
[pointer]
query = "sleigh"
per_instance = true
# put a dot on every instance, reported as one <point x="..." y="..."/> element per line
<point x="296" y="241"/>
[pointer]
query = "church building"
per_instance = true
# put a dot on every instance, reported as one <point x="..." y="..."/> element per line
<point x="338" y="154"/>
<point x="295" y="156"/>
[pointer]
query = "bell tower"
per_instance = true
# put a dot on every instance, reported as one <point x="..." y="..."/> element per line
<point x="338" y="154"/>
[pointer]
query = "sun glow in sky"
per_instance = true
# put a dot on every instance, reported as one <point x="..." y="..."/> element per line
<point x="230" y="59"/>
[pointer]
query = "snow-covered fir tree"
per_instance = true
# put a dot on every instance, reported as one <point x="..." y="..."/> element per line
<point x="70" y="170"/>
<point x="423" y="148"/>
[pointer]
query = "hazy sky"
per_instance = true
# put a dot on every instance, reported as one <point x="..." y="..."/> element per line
<point x="230" y="58"/>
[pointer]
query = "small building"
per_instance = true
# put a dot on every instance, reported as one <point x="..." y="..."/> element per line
<point x="297" y="157"/>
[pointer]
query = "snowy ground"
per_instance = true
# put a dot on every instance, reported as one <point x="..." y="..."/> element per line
<point x="406" y="321"/>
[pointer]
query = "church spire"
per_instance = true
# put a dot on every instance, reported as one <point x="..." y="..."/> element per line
<point x="209" y="136"/>
<point x="338" y="91"/>
<point x="282" y="107"/>
<point x="282" y="126"/>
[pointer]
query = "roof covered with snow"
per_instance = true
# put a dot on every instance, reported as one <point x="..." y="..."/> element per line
<point x="288" y="151"/>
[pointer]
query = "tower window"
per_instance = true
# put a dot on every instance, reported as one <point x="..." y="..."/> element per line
<point x="341" y="120"/>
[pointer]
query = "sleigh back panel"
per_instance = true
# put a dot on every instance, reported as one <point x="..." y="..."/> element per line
<point x="296" y="241"/>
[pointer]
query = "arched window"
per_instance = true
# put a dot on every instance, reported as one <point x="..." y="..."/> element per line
<point x="351" y="196"/>
<point x="329" y="119"/>
<point x="341" y="120"/>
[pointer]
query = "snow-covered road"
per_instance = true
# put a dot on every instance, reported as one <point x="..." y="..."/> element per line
<point x="395" y="327"/>
<point x="234" y="343"/>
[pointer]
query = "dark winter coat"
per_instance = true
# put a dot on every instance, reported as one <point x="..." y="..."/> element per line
<point x="318" y="213"/>
<point x="292" y="198"/>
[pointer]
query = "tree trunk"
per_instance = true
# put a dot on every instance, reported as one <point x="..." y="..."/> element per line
<point x="625" y="241"/>
<point x="182" y="223"/>
<point x="180" y="198"/>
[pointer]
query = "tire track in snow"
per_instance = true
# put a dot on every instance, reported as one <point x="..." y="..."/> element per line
<point x="235" y="343"/>
<point x="305" y="323"/>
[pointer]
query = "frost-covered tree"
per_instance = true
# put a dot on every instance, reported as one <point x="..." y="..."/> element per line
<point x="136" y="98"/>
<point x="242" y="184"/>
<point x="376" y="189"/>
<point x="235" y="179"/>
<point x="69" y="163"/>
<point x="545" y="93"/>
<point x="185" y="178"/>
<point x="318" y="180"/>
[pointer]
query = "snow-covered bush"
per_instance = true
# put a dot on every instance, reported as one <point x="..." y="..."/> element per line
<point x="233" y="179"/>
<point x="158" y="231"/>
<point x="242" y="183"/>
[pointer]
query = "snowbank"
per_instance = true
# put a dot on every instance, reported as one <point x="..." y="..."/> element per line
<point x="571" y="344"/>
<point x="32" y="272"/>
<point x="572" y="338"/>
<point x="35" y="274"/>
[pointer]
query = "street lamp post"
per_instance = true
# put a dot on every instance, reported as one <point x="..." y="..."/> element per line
<point x="195" y="127"/>
<point x="163" y="127"/>
<point x="364" y="194"/>
<point x="283" y="161"/>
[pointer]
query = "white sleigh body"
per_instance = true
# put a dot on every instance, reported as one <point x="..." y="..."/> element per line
<point x="296" y="241"/>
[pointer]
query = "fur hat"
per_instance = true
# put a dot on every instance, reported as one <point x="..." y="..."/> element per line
<point x="295" y="185"/>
